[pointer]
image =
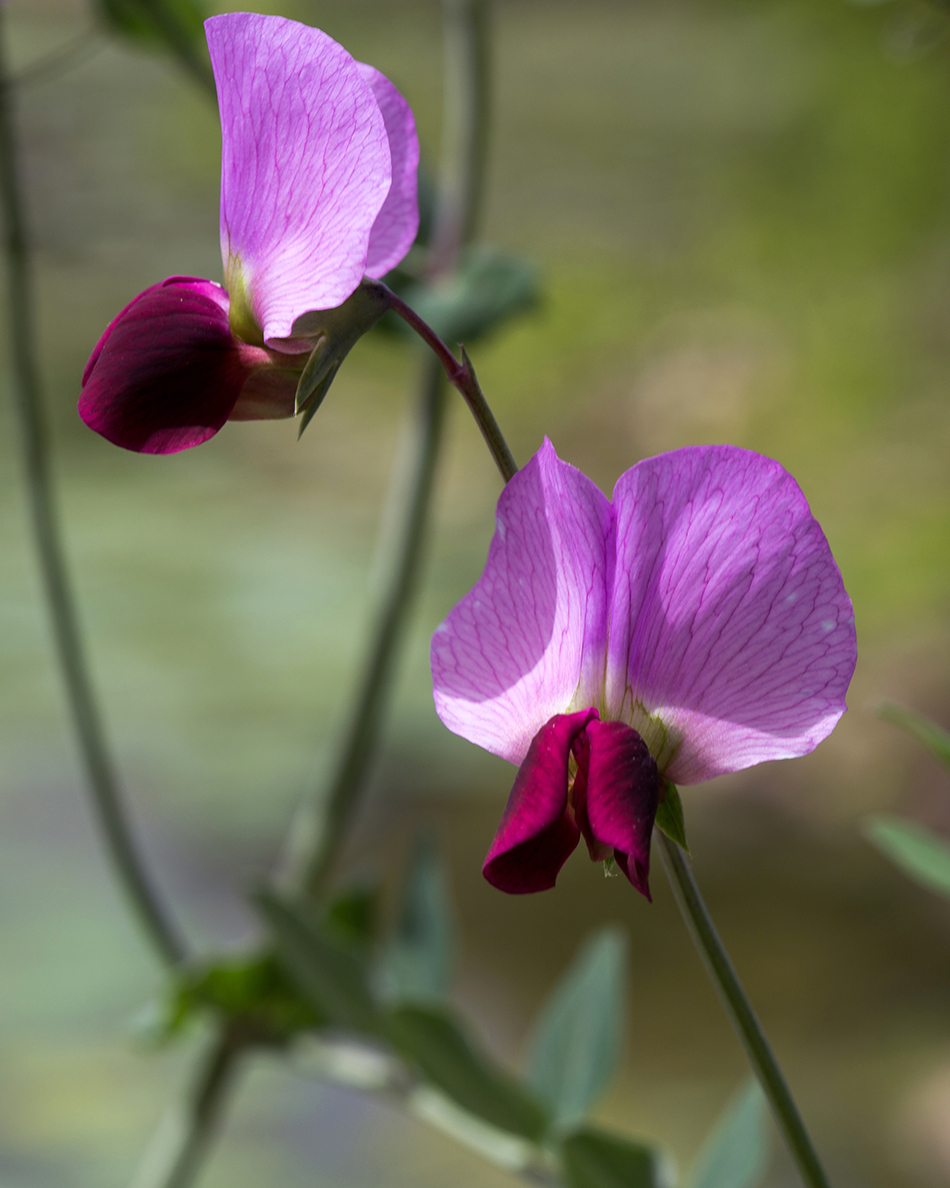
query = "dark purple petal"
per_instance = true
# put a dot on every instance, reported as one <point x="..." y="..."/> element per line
<point x="167" y="372"/>
<point x="528" y="641"/>
<point x="305" y="166"/>
<point x="730" y="624"/>
<point x="398" y="221"/>
<point x="620" y="798"/>
<point x="538" y="833"/>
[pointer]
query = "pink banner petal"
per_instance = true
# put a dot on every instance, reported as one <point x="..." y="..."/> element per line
<point x="528" y="641"/>
<point x="398" y="221"/>
<point x="166" y="373"/>
<point x="305" y="166"/>
<point x="537" y="833"/>
<point x="729" y="618"/>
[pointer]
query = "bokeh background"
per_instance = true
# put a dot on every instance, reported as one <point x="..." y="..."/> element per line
<point x="741" y="214"/>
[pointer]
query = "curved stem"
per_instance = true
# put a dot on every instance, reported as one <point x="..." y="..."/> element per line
<point x="42" y="504"/>
<point x="177" y="1151"/>
<point x="462" y="376"/>
<point x="739" y="1009"/>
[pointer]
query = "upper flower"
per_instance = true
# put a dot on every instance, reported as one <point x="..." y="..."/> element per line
<point x="695" y="625"/>
<point x="318" y="190"/>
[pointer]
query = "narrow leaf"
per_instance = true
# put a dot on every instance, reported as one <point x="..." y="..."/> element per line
<point x="578" y="1036"/>
<point x="594" y="1159"/>
<point x="418" y="962"/>
<point x="433" y="1041"/>
<point x="330" y="976"/>
<point x="917" y="850"/>
<point x="736" y="1151"/>
<point x="934" y="737"/>
<point x="669" y="815"/>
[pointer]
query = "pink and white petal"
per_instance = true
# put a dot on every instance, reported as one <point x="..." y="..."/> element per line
<point x="528" y="641"/>
<point x="397" y="223"/>
<point x="622" y="795"/>
<point x="538" y="833"/>
<point x="729" y="618"/>
<point x="167" y="372"/>
<point x="305" y="166"/>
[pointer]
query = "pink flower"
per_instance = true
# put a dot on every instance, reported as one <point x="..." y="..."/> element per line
<point x="696" y="625"/>
<point x="318" y="190"/>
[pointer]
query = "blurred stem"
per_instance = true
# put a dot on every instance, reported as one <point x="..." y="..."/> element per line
<point x="42" y="505"/>
<point x="739" y="1009"/>
<point x="460" y="188"/>
<point x="177" y="1150"/>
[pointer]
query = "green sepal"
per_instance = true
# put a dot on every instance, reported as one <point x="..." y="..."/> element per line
<point x="578" y="1036"/>
<point x="593" y="1158"/>
<point x="335" y="332"/>
<point x="329" y="974"/>
<point x="488" y="288"/>
<point x="934" y="737"/>
<point x="436" y="1045"/>
<point x="669" y="815"/>
<point x="736" y="1151"/>
<point x="919" y="852"/>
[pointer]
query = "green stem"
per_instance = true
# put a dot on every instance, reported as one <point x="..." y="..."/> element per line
<point x="739" y="1009"/>
<point x="39" y="490"/>
<point x="181" y="43"/>
<point x="177" y="1151"/>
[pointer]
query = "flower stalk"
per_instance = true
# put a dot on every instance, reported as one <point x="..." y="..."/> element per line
<point x="739" y="1009"/>
<point x="34" y="447"/>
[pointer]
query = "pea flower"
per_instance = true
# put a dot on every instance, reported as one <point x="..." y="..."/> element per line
<point x="318" y="190"/>
<point x="695" y="625"/>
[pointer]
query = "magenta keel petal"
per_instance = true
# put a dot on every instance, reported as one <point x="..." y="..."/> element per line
<point x="538" y="833"/>
<point x="305" y="167"/>
<point x="167" y="372"/>
<point x="398" y="220"/>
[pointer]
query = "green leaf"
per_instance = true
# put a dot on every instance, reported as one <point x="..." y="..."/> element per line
<point x="488" y="289"/>
<point x="736" y="1151"/>
<point x="147" y="20"/>
<point x="352" y="915"/>
<point x="669" y="815"/>
<point x="330" y="976"/>
<point x="578" y="1035"/>
<point x="594" y="1159"/>
<point x="934" y="737"/>
<point x="433" y="1041"/>
<point x="417" y="965"/>
<point x="918" y="851"/>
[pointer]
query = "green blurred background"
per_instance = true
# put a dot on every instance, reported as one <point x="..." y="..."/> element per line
<point x="741" y="213"/>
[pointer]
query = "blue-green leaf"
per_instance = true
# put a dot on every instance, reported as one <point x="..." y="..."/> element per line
<point x="594" y="1159"/>
<point x="434" y="1042"/>
<point x="578" y="1036"/>
<point x="736" y="1152"/>
<point x="934" y="737"/>
<point x="917" y="850"/>
<point x="417" y="964"/>
<point x="329" y="975"/>
<point x="489" y="288"/>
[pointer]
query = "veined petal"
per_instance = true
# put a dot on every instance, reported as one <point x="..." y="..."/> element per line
<point x="528" y="641"/>
<point x="729" y="619"/>
<point x="166" y="373"/>
<point x="305" y="166"/>
<point x="622" y="793"/>
<point x="398" y="220"/>
<point x="538" y="833"/>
